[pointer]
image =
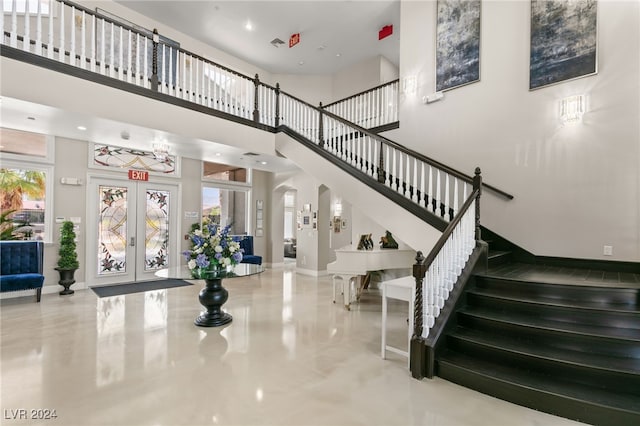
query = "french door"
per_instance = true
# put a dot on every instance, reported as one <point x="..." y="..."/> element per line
<point x="133" y="230"/>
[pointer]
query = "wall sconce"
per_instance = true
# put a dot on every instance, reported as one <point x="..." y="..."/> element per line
<point x="160" y="151"/>
<point x="337" y="209"/>
<point x="410" y="84"/>
<point x="572" y="109"/>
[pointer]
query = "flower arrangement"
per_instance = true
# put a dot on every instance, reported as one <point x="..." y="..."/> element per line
<point x="212" y="248"/>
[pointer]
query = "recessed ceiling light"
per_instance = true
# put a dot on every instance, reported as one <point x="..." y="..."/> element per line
<point x="301" y="63"/>
<point x="338" y="55"/>
<point x="218" y="154"/>
<point x="263" y="163"/>
<point x="248" y="26"/>
<point x="82" y="128"/>
<point x="322" y="47"/>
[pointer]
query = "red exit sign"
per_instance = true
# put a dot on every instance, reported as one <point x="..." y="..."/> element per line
<point x="294" y="39"/>
<point x="138" y="175"/>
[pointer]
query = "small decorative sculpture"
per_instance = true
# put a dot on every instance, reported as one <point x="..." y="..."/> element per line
<point x="387" y="241"/>
<point x="365" y="243"/>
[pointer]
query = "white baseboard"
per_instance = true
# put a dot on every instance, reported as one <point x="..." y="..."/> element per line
<point x="311" y="272"/>
<point x="273" y="265"/>
<point x="47" y="289"/>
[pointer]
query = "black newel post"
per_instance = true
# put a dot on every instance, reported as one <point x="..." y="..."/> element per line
<point x="320" y="128"/>
<point x="277" y="121"/>
<point x="417" y="351"/>
<point x="256" y="112"/>
<point x="477" y="184"/>
<point x="381" y="175"/>
<point x="154" y="60"/>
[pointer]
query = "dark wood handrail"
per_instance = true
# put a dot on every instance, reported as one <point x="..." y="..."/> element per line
<point x="362" y="93"/>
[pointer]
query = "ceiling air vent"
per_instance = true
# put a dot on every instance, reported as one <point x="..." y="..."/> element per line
<point x="276" y="42"/>
<point x="251" y="154"/>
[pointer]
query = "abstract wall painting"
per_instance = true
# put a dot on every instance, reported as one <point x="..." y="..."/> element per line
<point x="563" y="41"/>
<point x="457" y="43"/>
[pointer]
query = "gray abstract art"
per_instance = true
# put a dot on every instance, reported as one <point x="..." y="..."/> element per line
<point x="457" y="43"/>
<point x="563" y="41"/>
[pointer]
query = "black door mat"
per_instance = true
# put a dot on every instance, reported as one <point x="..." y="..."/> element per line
<point x="139" y="287"/>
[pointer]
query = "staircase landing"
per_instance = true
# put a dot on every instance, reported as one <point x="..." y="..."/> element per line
<point x="564" y="275"/>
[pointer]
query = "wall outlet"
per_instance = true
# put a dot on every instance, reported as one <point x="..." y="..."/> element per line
<point x="608" y="250"/>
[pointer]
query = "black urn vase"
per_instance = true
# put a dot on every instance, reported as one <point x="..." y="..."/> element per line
<point x="66" y="279"/>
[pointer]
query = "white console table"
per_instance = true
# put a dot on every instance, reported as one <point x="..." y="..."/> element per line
<point x="400" y="289"/>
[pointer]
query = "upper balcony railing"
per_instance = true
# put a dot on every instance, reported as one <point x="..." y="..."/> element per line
<point x="372" y="109"/>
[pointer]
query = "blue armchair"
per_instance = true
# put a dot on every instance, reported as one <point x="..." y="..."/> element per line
<point x="21" y="266"/>
<point x="246" y="243"/>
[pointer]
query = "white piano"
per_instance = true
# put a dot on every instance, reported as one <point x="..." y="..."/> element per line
<point x="352" y="265"/>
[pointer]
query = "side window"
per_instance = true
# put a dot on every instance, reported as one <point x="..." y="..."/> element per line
<point x="224" y="206"/>
<point x="26" y="186"/>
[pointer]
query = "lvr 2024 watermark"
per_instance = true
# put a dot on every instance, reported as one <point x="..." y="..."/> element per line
<point x="30" y="414"/>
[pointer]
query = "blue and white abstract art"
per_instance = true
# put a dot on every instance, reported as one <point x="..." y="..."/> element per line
<point x="457" y="43"/>
<point x="563" y="41"/>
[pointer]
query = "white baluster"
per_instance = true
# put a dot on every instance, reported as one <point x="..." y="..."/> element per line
<point x="422" y="177"/>
<point x="38" y="49"/>
<point x="407" y="180"/>
<point x="83" y="42"/>
<point x="455" y="197"/>
<point x="374" y="162"/>
<point x="387" y="166"/>
<point x="145" y="79"/>
<point x="403" y="184"/>
<point x="13" y="40"/>
<point x="72" y="52"/>
<point x="93" y="54"/>
<point x="430" y="190"/>
<point x="61" y="38"/>
<point x="121" y="55"/>
<point x="438" y="211"/>
<point x="414" y="196"/>
<point x="103" y="60"/>
<point x="394" y="182"/>
<point x="447" y="201"/>
<point x="50" y="44"/>
<point x="26" y="37"/>
<point x="129" y="56"/>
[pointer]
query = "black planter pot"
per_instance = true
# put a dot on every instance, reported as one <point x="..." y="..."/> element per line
<point x="66" y="279"/>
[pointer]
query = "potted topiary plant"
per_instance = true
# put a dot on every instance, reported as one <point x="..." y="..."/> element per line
<point x="68" y="260"/>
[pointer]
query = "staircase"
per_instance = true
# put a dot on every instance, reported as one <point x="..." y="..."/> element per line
<point x="566" y="349"/>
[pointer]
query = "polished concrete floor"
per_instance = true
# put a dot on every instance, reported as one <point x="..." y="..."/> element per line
<point x="290" y="357"/>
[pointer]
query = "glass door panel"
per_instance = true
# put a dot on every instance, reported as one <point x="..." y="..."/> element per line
<point x="156" y="229"/>
<point x="112" y="230"/>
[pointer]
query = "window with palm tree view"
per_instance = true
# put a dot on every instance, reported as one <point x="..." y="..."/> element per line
<point x="23" y="186"/>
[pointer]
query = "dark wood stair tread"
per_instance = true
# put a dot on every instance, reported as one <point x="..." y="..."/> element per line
<point x="560" y="302"/>
<point x="562" y="355"/>
<point x="540" y="382"/>
<point x="525" y="320"/>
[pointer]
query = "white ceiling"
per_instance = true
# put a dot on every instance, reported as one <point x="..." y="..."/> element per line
<point x="348" y="28"/>
<point x="327" y="28"/>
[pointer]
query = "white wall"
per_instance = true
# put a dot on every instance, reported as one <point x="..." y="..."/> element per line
<point x="358" y="77"/>
<point x="388" y="71"/>
<point x="576" y="188"/>
<point x="312" y="89"/>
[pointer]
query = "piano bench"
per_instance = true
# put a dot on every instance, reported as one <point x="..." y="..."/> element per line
<point x="400" y="289"/>
<point x="347" y="285"/>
